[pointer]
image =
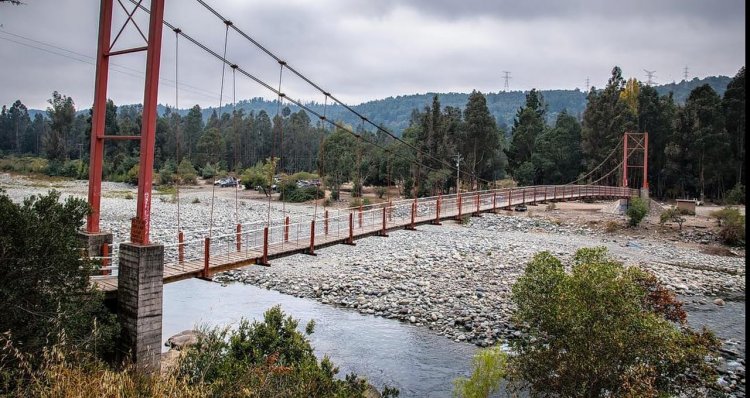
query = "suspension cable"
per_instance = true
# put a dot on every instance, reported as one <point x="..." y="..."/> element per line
<point x="236" y="144"/>
<point x="295" y="102"/>
<point x="347" y="107"/>
<point x="221" y="94"/>
<point x="598" y="166"/>
<point x="177" y="121"/>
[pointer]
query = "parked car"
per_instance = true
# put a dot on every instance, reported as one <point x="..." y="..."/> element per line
<point x="229" y="182"/>
<point x="520" y="208"/>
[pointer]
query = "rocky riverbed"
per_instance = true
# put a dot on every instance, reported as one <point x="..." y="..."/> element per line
<point x="455" y="279"/>
<point x="452" y="279"/>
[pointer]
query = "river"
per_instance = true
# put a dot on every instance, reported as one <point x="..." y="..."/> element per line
<point x="385" y="352"/>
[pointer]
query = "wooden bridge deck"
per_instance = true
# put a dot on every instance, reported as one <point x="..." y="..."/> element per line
<point x="289" y="239"/>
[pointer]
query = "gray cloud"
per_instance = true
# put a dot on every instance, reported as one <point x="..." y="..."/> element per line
<point x="362" y="50"/>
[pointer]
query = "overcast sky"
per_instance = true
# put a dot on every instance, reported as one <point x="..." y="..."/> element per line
<point x="362" y="50"/>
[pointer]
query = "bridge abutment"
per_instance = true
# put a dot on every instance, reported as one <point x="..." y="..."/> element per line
<point x="139" y="304"/>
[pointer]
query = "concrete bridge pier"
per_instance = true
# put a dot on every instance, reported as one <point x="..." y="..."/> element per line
<point x="93" y="243"/>
<point x="139" y="304"/>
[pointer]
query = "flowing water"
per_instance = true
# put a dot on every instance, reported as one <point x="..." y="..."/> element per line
<point x="385" y="352"/>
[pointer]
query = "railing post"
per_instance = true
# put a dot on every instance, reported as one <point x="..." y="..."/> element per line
<point x="238" y="237"/>
<point x="105" y="260"/>
<point x="545" y="193"/>
<point x="384" y="229"/>
<point x="206" y="257"/>
<point x="458" y="201"/>
<point x="437" y="211"/>
<point x="478" y="201"/>
<point x="494" y="200"/>
<point x="180" y="247"/>
<point x="523" y="195"/>
<point x="325" y="222"/>
<point x="286" y="229"/>
<point x="350" y="241"/>
<point x="312" y="238"/>
<point x="264" y="259"/>
<point x="554" y="193"/>
<point x="413" y="215"/>
<point x="510" y="197"/>
<point x="360" y="216"/>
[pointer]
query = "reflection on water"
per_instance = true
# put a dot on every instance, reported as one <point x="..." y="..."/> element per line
<point x="386" y="352"/>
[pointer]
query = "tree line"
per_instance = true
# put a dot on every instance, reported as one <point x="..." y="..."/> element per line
<point x="696" y="149"/>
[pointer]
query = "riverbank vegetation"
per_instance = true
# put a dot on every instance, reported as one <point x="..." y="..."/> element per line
<point x="600" y="329"/>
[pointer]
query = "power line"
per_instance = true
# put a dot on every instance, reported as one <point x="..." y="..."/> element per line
<point x="132" y="72"/>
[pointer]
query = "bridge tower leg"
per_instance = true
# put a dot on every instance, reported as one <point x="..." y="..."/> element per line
<point x="141" y="268"/>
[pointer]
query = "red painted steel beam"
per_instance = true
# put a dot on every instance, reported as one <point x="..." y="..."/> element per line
<point x="140" y="227"/>
<point x="98" y="116"/>
<point x="645" y="160"/>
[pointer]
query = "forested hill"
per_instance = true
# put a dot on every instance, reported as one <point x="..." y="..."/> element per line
<point x="394" y="112"/>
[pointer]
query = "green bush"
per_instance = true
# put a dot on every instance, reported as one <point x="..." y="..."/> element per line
<point x="488" y="369"/>
<point x="380" y="192"/>
<point x="268" y="358"/>
<point x="732" y="225"/>
<point x="736" y="195"/>
<point x="637" y="211"/>
<point x="186" y="172"/>
<point x="603" y="329"/>
<point x="291" y="193"/>
<point x="672" y="214"/>
<point x="45" y="282"/>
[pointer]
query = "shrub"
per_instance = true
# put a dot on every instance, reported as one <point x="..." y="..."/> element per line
<point x="380" y="192"/>
<point x="736" y="195"/>
<point x="603" y="329"/>
<point x="551" y="206"/>
<point x="291" y="193"/>
<point x="269" y="358"/>
<point x="488" y="369"/>
<point x="44" y="281"/>
<point x="637" y="211"/>
<point x="611" y="226"/>
<point x="195" y="200"/>
<point x="672" y="214"/>
<point x="186" y="172"/>
<point x="132" y="176"/>
<point x="732" y="223"/>
<point x="210" y="171"/>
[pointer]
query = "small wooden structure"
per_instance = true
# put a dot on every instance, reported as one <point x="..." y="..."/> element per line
<point x="686" y="204"/>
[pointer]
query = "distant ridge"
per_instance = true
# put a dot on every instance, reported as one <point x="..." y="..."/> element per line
<point x="394" y="113"/>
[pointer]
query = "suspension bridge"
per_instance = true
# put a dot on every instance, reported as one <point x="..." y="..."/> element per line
<point x="134" y="272"/>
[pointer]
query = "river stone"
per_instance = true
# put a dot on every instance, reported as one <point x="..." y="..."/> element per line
<point x="719" y="302"/>
<point x="184" y="339"/>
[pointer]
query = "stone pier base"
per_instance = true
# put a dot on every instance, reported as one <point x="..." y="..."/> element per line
<point x="139" y="304"/>
<point x="93" y="242"/>
<point x="645" y="195"/>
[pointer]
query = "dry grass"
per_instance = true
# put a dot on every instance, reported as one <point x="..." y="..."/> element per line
<point x="612" y="226"/>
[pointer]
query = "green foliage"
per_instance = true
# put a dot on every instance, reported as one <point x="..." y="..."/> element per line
<point x="732" y="224"/>
<point x="488" y="369"/>
<point x="736" y="195"/>
<point x="260" y="176"/>
<point x="380" y="192"/>
<point x="672" y="214"/>
<point x="210" y="170"/>
<point x="525" y="173"/>
<point x="603" y="329"/>
<point x="43" y="279"/>
<point x="269" y="358"/>
<point x="24" y="164"/>
<point x="186" y="172"/>
<point x="132" y="176"/>
<point x="636" y="211"/>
